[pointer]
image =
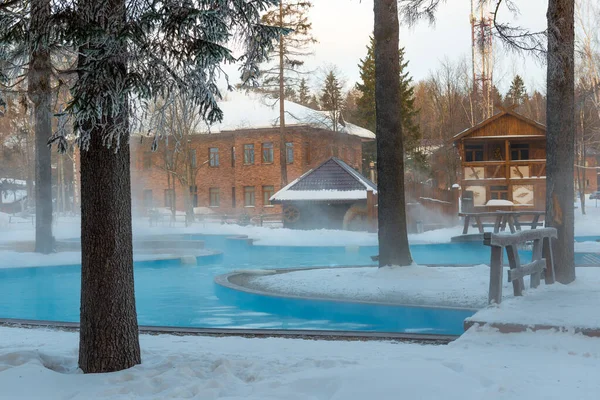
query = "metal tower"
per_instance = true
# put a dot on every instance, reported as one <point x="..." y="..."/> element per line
<point x="482" y="55"/>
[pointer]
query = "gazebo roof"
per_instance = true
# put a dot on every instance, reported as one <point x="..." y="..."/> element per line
<point x="333" y="180"/>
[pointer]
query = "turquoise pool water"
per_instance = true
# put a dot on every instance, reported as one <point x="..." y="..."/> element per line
<point x="171" y="294"/>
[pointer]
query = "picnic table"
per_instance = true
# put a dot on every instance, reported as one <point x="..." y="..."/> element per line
<point x="512" y="219"/>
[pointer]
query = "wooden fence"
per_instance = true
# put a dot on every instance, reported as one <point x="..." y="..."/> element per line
<point x="542" y="260"/>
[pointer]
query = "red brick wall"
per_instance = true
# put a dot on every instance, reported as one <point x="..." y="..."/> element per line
<point x="322" y="145"/>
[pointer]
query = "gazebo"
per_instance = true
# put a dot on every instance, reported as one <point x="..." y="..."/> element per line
<point x="330" y="196"/>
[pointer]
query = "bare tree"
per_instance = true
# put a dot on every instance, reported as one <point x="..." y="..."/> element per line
<point x="176" y="123"/>
<point x="291" y="16"/>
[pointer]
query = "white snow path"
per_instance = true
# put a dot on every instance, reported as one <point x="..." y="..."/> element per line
<point x="41" y="364"/>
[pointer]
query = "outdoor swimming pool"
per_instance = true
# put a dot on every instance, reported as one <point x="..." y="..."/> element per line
<point x="171" y="294"/>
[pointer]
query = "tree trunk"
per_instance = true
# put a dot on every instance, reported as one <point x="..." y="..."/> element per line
<point x="108" y="324"/>
<point x="40" y="93"/>
<point x="560" y="114"/>
<point x="393" y="237"/>
<point x="282" y="148"/>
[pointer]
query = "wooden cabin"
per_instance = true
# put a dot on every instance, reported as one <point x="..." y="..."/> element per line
<point x="503" y="163"/>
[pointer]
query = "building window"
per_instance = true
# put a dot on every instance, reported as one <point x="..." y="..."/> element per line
<point x="233" y="157"/>
<point x="169" y="198"/>
<point x="193" y="159"/>
<point x="233" y="197"/>
<point x="519" y="151"/>
<point x="194" y="195"/>
<point x="499" y="192"/>
<point x="147" y="160"/>
<point x="214" y="197"/>
<point x="306" y="153"/>
<point x="473" y="152"/>
<point x="268" y="191"/>
<point x="249" y="199"/>
<point x="267" y="152"/>
<point x="248" y="154"/>
<point x="148" y="198"/>
<point x="213" y="154"/>
<point x="289" y="152"/>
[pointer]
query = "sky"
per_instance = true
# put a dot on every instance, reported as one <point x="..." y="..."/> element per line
<point x="343" y="27"/>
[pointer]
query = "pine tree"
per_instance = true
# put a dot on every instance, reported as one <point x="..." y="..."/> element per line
<point x="517" y="93"/>
<point x="291" y="15"/>
<point x="408" y="112"/>
<point x="392" y="232"/>
<point x="36" y="43"/>
<point x="129" y="55"/>
<point x="332" y="100"/>
<point x="303" y="93"/>
<point x="314" y="103"/>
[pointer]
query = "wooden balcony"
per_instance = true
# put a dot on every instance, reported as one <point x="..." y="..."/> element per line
<point x="504" y="171"/>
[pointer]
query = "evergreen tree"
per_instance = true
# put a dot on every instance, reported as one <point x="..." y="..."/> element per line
<point x="27" y="38"/>
<point x="314" y="103"/>
<point x="517" y="94"/>
<point x="303" y="93"/>
<point x="332" y="100"/>
<point x="291" y="16"/>
<point x="408" y="113"/>
<point x="129" y="53"/>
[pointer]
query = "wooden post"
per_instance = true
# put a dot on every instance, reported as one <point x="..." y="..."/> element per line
<point x="547" y="252"/>
<point x="496" y="272"/>
<point x="536" y="256"/>
<point x="371" y="215"/>
<point x="515" y="263"/>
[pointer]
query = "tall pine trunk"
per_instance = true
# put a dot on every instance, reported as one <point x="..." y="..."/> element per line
<point x="109" y="329"/>
<point x="40" y="93"/>
<point x="560" y="145"/>
<point x="282" y="148"/>
<point x="393" y="236"/>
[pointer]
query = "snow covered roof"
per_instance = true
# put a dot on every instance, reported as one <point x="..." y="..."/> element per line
<point x="243" y="110"/>
<point x="332" y="180"/>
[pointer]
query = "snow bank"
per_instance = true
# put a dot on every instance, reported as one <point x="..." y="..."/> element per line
<point x="573" y="305"/>
<point x="465" y="287"/>
<point x="41" y="364"/>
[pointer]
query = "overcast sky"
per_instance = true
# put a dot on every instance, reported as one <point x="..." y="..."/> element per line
<point x="342" y="28"/>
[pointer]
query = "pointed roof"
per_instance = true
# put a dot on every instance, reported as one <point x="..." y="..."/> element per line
<point x="333" y="180"/>
<point x="502" y="113"/>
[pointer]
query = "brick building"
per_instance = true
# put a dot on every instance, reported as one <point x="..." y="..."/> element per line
<point x="237" y="164"/>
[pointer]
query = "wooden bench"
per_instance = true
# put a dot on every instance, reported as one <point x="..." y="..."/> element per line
<point x="542" y="260"/>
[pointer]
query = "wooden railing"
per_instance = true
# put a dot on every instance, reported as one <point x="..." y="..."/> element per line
<point x="542" y="260"/>
<point x="519" y="169"/>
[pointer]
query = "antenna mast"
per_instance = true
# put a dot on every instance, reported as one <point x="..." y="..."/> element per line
<point x="482" y="55"/>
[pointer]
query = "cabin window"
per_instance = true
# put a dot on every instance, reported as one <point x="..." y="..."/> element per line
<point x="194" y="195"/>
<point x="519" y="151"/>
<point x="249" y="199"/>
<point x="233" y="197"/>
<point x="289" y="152"/>
<point x="233" y="157"/>
<point x="473" y="152"/>
<point x="248" y="154"/>
<point x="193" y="159"/>
<point x="214" y="197"/>
<point x="169" y="198"/>
<point x="268" y="191"/>
<point x="267" y="151"/>
<point x="499" y="192"/>
<point x="213" y="154"/>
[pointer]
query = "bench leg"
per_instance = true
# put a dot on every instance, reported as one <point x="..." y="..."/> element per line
<point x="466" y="227"/>
<point x="479" y="224"/>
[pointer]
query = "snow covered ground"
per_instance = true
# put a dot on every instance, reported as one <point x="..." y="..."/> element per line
<point x="465" y="287"/>
<point x="483" y="364"/>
